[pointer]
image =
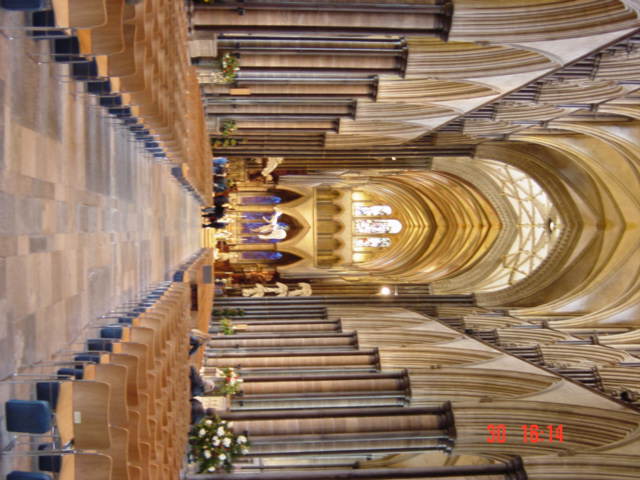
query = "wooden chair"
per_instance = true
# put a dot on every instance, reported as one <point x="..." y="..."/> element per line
<point x="119" y="453"/>
<point x="83" y="414"/>
<point x="116" y="377"/>
<point x="133" y="371"/>
<point x="75" y="14"/>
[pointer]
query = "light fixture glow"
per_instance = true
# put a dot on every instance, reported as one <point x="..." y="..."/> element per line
<point x="385" y="291"/>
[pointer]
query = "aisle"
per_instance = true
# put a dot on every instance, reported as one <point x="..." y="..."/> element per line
<point x="86" y="218"/>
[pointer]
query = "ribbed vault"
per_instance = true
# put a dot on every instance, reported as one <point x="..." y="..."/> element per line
<point x="448" y="225"/>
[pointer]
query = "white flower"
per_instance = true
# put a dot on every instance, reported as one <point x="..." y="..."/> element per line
<point x="242" y="439"/>
<point x="226" y="442"/>
<point x="202" y="432"/>
<point x="211" y="469"/>
<point x="207" y="454"/>
<point x="230" y="425"/>
<point x="222" y="456"/>
<point x="216" y="441"/>
<point x="244" y="450"/>
<point x="208" y="422"/>
<point x="220" y="431"/>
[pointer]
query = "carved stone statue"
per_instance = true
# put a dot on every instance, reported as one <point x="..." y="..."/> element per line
<point x="303" y="291"/>
<point x="257" y="291"/>
<point x="280" y="289"/>
<point x="272" y="164"/>
<point x="272" y="230"/>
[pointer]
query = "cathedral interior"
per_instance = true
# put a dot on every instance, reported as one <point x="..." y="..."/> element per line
<point x="319" y="239"/>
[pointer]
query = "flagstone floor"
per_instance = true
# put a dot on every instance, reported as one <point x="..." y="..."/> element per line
<point x="87" y="219"/>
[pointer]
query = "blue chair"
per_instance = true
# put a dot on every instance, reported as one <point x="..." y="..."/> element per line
<point x="115" y="101"/>
<point x="111" y="331"/>
<point x="42" y="19"/>
<point x="66" y="50"/>
<point x="25" y="5"/>
<point x="20" y="475"/>
<point x="99" y="345"/>
<point x="48" y="392"/>
<point x="49" y="463"/>
<point x="65" y="464"/>
<point x="102" y="87"/>
<point x="29" y="416"/>
<point x="70" y="373"/>
<point x="85" y="71"/>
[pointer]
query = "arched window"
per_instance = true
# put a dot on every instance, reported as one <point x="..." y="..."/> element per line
<point x="368" y="232"/>
<point x="376" y="242"/>
<point x="371" y="210"/>
<point x="261" y="255"/>
<point x="260" y="200"/>
<point x="380" y="226"/>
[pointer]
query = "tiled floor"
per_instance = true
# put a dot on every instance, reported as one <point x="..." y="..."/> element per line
<point x="86" y="219"/>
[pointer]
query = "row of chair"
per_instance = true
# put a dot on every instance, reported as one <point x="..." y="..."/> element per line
<point x="122" y="401"/>
<point x="135" y="59"/>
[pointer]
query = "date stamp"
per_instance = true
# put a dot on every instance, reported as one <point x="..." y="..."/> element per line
<point x="530" y="433"/>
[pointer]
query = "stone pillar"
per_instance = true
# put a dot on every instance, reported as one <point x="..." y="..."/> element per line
<point x="512" y="470"/>
<point x="323" y="391"/>
<point x="292" y="361"/>
<point x="353" y="431"/>
<point x="323" y="18"/>
<point x="261" y="342"/>
<point x="285" y="326"/>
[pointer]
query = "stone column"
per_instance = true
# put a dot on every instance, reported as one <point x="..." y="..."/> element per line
<point x="260" y="342"/>
<point x="353" y="431"/>
<point x="273" y="326"/>
<point x="292" y="361"/>
<point x="307" y="19"/>
<point x="512" y="470"/>
<point x="323" y="391"/>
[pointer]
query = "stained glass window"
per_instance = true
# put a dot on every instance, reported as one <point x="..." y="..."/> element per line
<point x="378" y="242"/>
<point x="260" y="200"/>
<point x="260" y="255"/>
<point x="371" y="211"/>
<point x="378" y="226"/>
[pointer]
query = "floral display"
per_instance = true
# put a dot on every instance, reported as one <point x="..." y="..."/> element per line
<point x="231" y="381"/>
<point x="226" y="326"/>
<point x="227" y="127"/>
<point x="214" y="445"/>
<point x="229" y="66"/>
<point x="224" y="143"/>
<point x="229" y="312"/>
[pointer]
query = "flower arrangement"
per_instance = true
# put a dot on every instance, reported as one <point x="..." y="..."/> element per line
<point x="228" y="312"/>
<point x="224" y="142"/>
<point x="231" y="381"/>
<point x="227" y="128"/>
<point x="214" y="446"/>
<point x="229" y="66"/>
<point x="226" y="326"/>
